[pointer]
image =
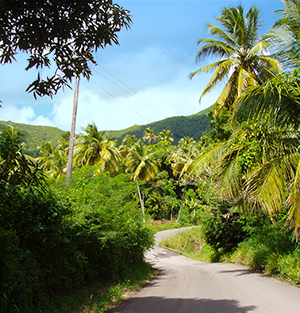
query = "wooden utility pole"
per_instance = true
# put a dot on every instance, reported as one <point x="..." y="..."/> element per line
<point x="72" y="133"/>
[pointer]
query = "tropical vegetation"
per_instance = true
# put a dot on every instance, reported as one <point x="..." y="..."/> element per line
<point x="244" y="62"/>
<point x="240" y="181"/>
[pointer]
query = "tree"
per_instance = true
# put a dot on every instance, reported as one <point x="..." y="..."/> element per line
<point x="53" y="161"/>
<point x="127" y="143"/>
<point x="143" y="166"/>
<point x="187" y="151"/>
<point x="95" y="148"/>
<point x="258" y="167"/>
<point x="244" y="61"/>
<point x="66" y="31"/>
<point x="285" y="35"/>
<point x="149" y="135"/>
<point x="278" y="102"/>
<point x="16" y="168"/>
<point x="166" y="135"/>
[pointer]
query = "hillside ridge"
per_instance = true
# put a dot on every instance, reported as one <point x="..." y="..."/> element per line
<point x="180" y="126"/>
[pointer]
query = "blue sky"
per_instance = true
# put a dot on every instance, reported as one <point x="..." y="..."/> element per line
<point x="144" y="79"/>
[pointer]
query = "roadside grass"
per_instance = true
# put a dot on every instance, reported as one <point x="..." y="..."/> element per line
<point x="157" y="226"/>
<point x="191" y="243"/>
<point x="100" y="298"/>
<point x="251" y="252"/>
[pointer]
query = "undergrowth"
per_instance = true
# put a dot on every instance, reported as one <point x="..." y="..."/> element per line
<point x="101" y="297"/>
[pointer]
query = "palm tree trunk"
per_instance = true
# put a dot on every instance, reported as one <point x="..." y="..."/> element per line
<point x="141" y="199"/>
<point x="181" y="205"/>
<point x="72" y="133"/>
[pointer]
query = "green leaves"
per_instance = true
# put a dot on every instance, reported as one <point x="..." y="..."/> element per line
<point x="242" y="52"/>
<point x="16" y="168"/>
<point x="67" y="31"/>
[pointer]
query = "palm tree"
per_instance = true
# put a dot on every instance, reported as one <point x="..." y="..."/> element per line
<point x="285" y="35"/>
<point x="258" y="167"/>
<point x="16" y="168"/>
<point x="166" y="135"/>
<point x="278" y="102"/>
<point x="143" y="165"/>
<point x="95" y="148"/>
<point x="149" y="135"/>
<point x="127" y="143"/>
<point x="53" y="161"/>
<point x="244" y="62"/>
<point x="63" y="141"/>
<point x="187" y="151"/>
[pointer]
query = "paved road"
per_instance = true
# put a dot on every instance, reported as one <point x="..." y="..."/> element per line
<point x="188" y="286"/>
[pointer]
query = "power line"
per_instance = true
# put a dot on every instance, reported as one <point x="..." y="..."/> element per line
<point x="133" y="91"/>
<point x="118" y="100"/>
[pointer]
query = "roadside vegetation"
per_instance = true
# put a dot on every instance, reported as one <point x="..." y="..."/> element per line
<point x="80" y="248"/>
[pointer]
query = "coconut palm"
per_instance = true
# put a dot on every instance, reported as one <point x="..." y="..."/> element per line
<point x="95" y="148"/>
<point x="166" y="135"/>
<point x="285" y="35"/>
<point x="53" y="160"/>
<point x="127" y="143"/>
<point x="17" y="168"/>
<point x="150" y="135"/>
<point x="142" y="163"/>
<point x="63" y="141"/>
<point x="244" y="62"/>
<point x="187" y="151"/>
<point x="278" y="101"/>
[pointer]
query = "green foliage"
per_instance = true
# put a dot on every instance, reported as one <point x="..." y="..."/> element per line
<point x="180" y="126"/>
<point x="34" y="136"/>
<point x="271" y="249"/>
<point x="192" y="244"/>
<point x="222" y="228"/>
<point x="220" y="128"/>
<point x="56" y="242"/>
<point x="66" y="38"/>
<point x="32" y="233"/>
<point x="161" y="199"/>
<point x="15" y="167"/>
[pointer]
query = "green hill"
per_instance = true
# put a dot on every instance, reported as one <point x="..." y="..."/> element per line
<point x="180" y="126"/>
<point x="34" y="136"/>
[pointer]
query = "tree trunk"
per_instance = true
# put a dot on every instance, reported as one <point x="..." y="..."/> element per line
<point x="181" y="205"/>
<point x="72" y="133"/>
<point x="141" y="199"/>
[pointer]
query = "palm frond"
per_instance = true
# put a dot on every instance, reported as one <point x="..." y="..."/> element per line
<point x="202" y="165"/>
<point x="220" y="73"/>
<point x="278" y="98"/>
<point x="266" y="187"/>
<point x="213" y="47"/>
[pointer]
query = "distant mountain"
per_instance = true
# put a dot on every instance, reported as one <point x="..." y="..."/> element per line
<point x="180" y="126"/>
<point x="34" y="136"/>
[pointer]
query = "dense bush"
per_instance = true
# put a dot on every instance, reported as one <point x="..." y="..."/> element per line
<point x="223" y="229"/>
<point x="54" y="242"/>
<point x="271" y="249"/>
<point x="32" y="234"/>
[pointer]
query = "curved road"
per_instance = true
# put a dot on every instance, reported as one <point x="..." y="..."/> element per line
<point x="189" y="286"/>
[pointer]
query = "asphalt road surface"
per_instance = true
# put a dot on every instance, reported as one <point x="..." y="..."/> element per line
<point x="189" y="286"/>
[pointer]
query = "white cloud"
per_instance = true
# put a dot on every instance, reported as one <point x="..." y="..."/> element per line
<point x="22" y="115"/>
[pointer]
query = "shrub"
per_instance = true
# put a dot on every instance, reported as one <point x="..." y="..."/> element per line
<point x="223" y="229"/>
<point x="54" y="242"/>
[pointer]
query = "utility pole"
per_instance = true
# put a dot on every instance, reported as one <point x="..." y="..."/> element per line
<point x="72" y="133"/>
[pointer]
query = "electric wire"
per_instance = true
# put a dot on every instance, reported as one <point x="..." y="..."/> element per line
<point x="133" y="91"/>
<point x="118" y="100"/>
